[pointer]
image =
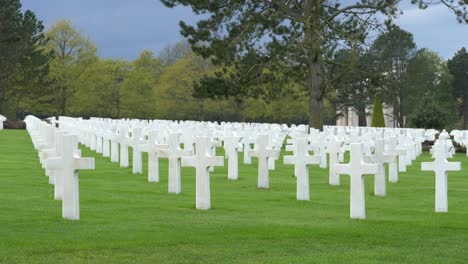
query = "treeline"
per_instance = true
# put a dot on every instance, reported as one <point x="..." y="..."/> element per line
<point x="69" y="78"/>
<point x="421" y="88"/>
<point x="58" y="72"/>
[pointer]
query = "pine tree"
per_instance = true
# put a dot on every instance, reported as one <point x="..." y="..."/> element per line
<point x="377" y="113"/>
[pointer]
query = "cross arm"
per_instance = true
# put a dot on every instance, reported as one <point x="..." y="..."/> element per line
<point x="84" y="163"/>
<point x="54" y="163"/>
<point x="189" y="161"/>
<point x="427" y="166"/>
<point x="453" y="166"/>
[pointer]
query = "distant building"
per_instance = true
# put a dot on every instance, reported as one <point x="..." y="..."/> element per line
<point x="351" y="118"/>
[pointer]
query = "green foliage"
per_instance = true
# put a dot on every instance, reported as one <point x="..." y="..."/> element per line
<point x="277" y="42"/>
<point x="433" y="104"/>
<point x="458" y="66"/>
<point x="355" y="86"/>
<point x="377" y="113"/>
<point x="22" y="65"/>
<point x="429" y="114"/>
<point x="392" y="52"/>
<point x="72" y="56"/>
<point x="230" y="77"/>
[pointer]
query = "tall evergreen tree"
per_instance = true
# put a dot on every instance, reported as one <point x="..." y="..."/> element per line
<point x="21" y="59"/>
<point x="392" y="52"/>
<point x="458" y="66"/>
<point x="293" y="36"/>
<point x="378" y="119"/>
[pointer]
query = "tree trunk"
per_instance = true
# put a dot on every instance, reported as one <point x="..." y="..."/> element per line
<point x="346" y="117"/>
<point x="2" y="101"/>
<point x="401" y="120"/>
<point x="240" y="102"/>
<point x="201" y="106"/>
<point x="362" y="119"/>
<point x="314" y="80"/>
<point x="465" y="111"/>
<point x="63" y="102"/>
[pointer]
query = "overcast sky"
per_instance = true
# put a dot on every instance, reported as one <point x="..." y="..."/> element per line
<point x="123" y="28"/>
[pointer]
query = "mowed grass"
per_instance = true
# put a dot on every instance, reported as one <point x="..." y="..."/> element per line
<point x="125" y="219"/>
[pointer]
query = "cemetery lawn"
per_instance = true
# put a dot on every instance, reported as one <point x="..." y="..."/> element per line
<point x="125" y="219"/>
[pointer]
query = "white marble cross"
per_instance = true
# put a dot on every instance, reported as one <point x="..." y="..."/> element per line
<point x="333" y="149"/>
<point x="123" y="140"/>
<point x="322" y="145"/>
<point x="440" y="166"/>
<point x="137" y="159"/>
<point x="380" y="157"/>
<point x="174" y="154"/>
<point x="2" y="119"/>
<point x="154" y="151"/>
<point x="263" y="153"/>
<point x="247" y="140"/>
<point x="106" y="145"/>
<point x="114" y="148"/>
<point x="56" y="173"/>
<point x="68" y="164"/>
<point x="301" y="161"/>
<point x="99" y="138"/>
<point x="231" y="147"/>
<point x="392" y="166"/>
<point x="356" y="169"/>
<point x="202" y="161"/>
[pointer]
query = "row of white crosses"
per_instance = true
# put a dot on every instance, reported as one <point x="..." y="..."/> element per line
<point x="380" y="150"/>
<point x="375" y="146"/>
<point x="61" y="158"/>
<point x="174" y="153"/>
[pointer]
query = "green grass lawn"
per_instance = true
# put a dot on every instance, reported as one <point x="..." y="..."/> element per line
<point x="125" y="219"/>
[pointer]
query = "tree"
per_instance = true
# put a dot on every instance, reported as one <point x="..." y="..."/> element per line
<point x="101" y="92"/>
<point x="392" y="51"/>
<point x="172" y="53"/>
<point x="175" y="89"/>
<point x="377" y="113"/>
<point x="296" y="37"/>
<point x="355" y="87"/>
<point x="21" y="61"/>
<point x="138" y="87"/>
<point x="458" y="66"/>
<point x="430" y="99"/>
<point x="72" y="56"/>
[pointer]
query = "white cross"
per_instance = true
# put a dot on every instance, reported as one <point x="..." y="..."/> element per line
<point x="334" y="149"/>
<point x="69" y="164"/>
<point x="123" y="141"/>
<point x="202" y="161"/>
<point x="301" y="160"/>
<point x="173" y="154"/>
<point x="154" y="153"/>
<point x="356" y="169"/>
<point x="440" y="166"/>
<point x="392" y="166"/>
<point x="106" y="145"/>
<point x="137" y="159"/>
<point x="263" y="153"/>
<point x="93" y="139"/>
<point x="322" y="152"/>
<point x="231" y="146"/>
<point x="247" y="141"/>
<point x="379" y="157"/>
<point x="56" y="173"/>
<point x="99" y="137"/>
